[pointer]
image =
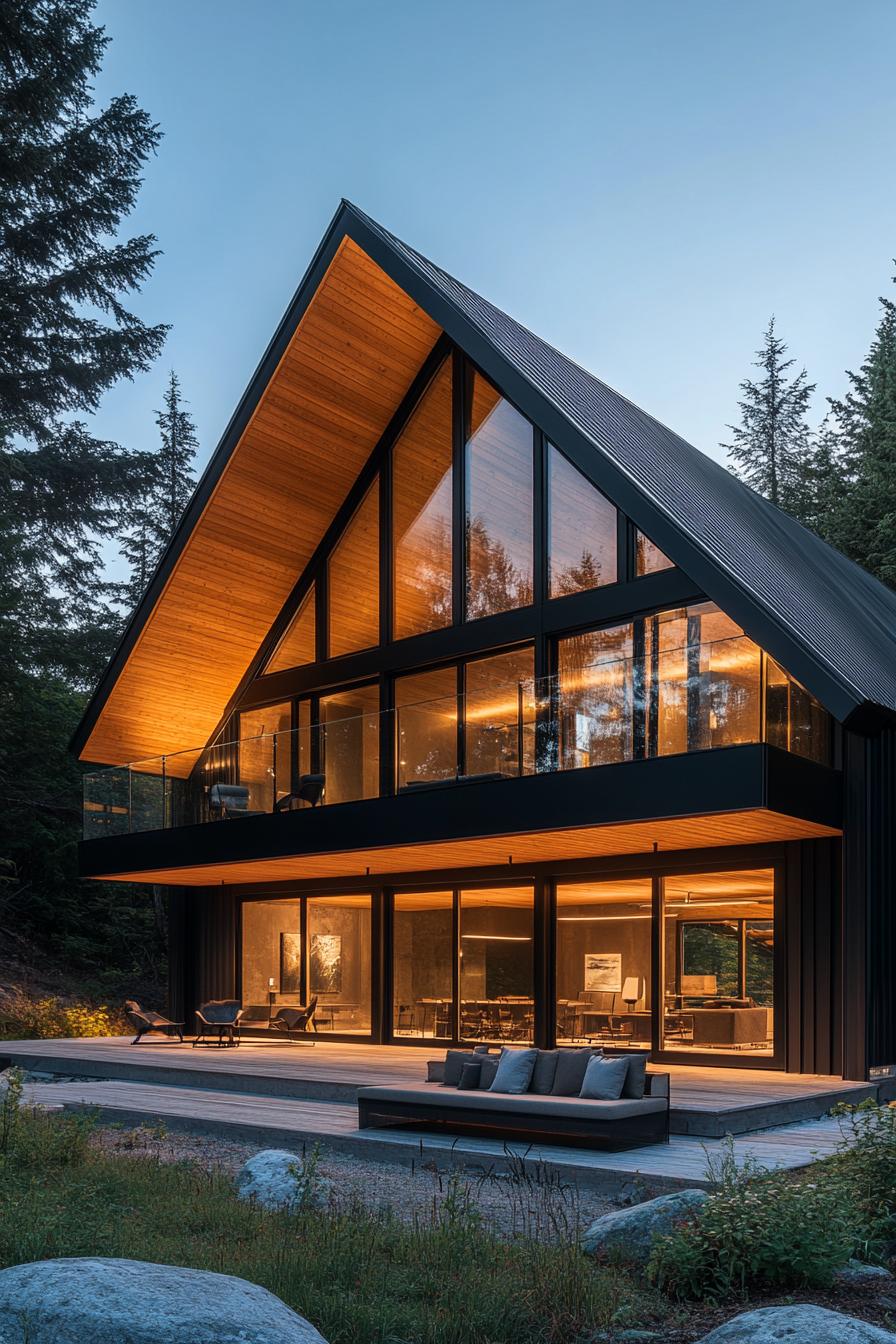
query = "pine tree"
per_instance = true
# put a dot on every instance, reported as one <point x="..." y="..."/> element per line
<point x="772" y="442"/>
<point x="171" y="483"/>
<point x="69" y="175"/>
<point x="865" y="521"/>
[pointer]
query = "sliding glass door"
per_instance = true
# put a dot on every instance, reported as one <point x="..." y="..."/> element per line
<point x="604" y="962"/>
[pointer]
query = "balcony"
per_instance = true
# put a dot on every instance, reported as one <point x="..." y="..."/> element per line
<point x="694" y="699"/>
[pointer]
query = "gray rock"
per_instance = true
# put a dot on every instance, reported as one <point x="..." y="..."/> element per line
<point x="858" y="1275"/>
<point x="273" y="1179"/>
<point x="629" y="1234"/>
<point x="131" y="1302"/>
<point x="797" y="1325"/>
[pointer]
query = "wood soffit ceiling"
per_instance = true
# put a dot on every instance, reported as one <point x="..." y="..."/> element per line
<point x="753" y="826"/>
<point x="343" y="375"/>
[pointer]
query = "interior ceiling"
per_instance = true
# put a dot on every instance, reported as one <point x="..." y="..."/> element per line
<point x="349" y="364"/>
<point x="586" y="842"/>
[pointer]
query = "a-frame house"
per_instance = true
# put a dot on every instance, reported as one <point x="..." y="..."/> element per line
<point x="474" y="703"/>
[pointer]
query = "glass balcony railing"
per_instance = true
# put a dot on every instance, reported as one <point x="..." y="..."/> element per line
<point x="667" y="702"/>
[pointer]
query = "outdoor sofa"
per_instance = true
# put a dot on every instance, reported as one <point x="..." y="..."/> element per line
<point x="544" y="1116"/>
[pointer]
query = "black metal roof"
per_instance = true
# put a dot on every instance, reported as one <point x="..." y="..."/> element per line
<point x="832" y="624"/>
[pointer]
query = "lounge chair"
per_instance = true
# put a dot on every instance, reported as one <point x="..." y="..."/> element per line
<point x="296" y="1021"/>
<point x="143" y="1020"/>
<point x="219" y="1017"/>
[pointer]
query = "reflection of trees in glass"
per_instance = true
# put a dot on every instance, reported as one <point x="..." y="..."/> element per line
<point x="576" y="578"/>
<point x="761" y="961"/>
<point x="432" y="577"/>
<point x="712" y="949"/>
<point x="494" y="582"/>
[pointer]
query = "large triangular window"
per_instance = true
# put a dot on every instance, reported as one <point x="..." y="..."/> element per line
<point x="353" y="610"/>
<point x="421" y="514"/>
<point x="582" y="531"/>
<point x="297" y="647"/>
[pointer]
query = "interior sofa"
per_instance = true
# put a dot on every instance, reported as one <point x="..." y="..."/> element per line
<point x="623" y="1122"/>
<point x="729" y="1026"/>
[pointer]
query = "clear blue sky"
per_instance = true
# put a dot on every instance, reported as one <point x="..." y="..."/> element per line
<point x="641" y="183"/>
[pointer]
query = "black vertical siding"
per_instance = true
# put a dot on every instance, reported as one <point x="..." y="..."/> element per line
<point x="869" y="866"/>
<point x="203" y="948"/>
<point x="811" y="927"/>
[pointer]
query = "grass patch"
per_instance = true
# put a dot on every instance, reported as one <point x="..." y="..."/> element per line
<point x="359" y="1277"/>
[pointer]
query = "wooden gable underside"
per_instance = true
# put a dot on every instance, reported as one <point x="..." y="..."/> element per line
<point x="343" y="375"/>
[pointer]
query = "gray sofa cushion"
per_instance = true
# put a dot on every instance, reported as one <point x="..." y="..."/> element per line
<point x="544" y="1072"/>
<point x="444" y="1101"/>
<point x="604" y="1077"/>
<point x="514" y="1071"/>
<point x="454" y="1063"/>
<point x="636" y="1077"/>
<point x="487" y="1071"/>
<point x="469" y="1076"/>
<point x="570" y="1074"/>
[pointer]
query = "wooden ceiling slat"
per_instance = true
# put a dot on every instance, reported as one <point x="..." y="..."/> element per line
<point x="348" y="366"/>
<point x="733" y="828"/>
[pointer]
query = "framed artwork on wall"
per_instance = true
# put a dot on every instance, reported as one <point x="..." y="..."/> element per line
<point x="290" y="963"/>
<point x="603" y="972"/>
<point x="325" y="963"/>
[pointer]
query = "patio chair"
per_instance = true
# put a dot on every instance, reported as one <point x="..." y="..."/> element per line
<point x="221" y="1017"/>
<point x="228" y="800"/>
<point x="296" y="1021"/>
<point x="143" y="1020"/>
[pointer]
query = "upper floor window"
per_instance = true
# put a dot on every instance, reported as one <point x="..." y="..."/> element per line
<point x="649" y="559"/>
<point x="298" y="645"/>
<point x="499" y="505"/>
<point x="353" y="615"/>
<point x="582" y="531"/>
<point x="421" y="514"/>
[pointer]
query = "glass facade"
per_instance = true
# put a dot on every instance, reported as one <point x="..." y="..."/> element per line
<point x="297" y="647"/>
<point x="264" y="756"/>
<point x="421" y="514"/>
<point x="604" y="940"/>
<point x="426" y="727"/>
<point x="350" y="744"/>
<point x="497" y="966"/>
<point x="462" y="962"/>
<point x="597" y="693"/>
<point x="499" y="714"/>
<point x="718" y="962"/>
<point x="649" y="559"/>
<point x="353" y="577"/>
<point x="499" y="503"/>
<point x="583" y="536"/>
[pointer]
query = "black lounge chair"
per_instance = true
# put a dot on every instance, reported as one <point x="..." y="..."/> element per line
<point x="221" y="1017"/>
<point x="296" y="1021"/>
<point x="143" y="1020"/>
<point x="229" y="800"/>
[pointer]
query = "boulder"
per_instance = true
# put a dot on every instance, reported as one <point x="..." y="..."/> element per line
<point x="94" y="1301"/>
<point x="797" y="1325"/>
<point x="629" y="1234"/>
<point x="858" y="1275"/>
<point x="273" y="1179"/>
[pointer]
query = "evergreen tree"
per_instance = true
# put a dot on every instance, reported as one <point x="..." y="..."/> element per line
<point x="169" y="487"/>
<point x="865" y="521"/>
<point x="69" y="175"/>
<point x="771" y="444"/>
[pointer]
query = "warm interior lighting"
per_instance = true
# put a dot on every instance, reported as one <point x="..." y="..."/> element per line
<point x="497" y="937"/>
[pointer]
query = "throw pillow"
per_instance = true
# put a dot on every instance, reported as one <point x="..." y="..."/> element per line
<point x="605" y="1077"/>
<point x="570" y="1074"/>
<point x="543" y="1073"/>
<point x="636" y="1077"/>
<point x="514" y="1071"/>
<point x="487" y="1071"/>
<point x="469" y="1076"/>
<point x="454" y="1063"/>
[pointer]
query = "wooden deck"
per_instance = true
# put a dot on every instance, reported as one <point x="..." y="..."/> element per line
<point x="290" y="1122"/>
<point x="706" y="1102"/>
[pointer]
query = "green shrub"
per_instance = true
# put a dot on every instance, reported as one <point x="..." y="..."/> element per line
<point x="755" y="1231"/>
<point x="26" y="1019"/>
<point x="865" y="1170"/>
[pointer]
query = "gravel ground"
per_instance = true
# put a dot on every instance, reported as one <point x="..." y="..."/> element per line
<point x="509" y="1203"/>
